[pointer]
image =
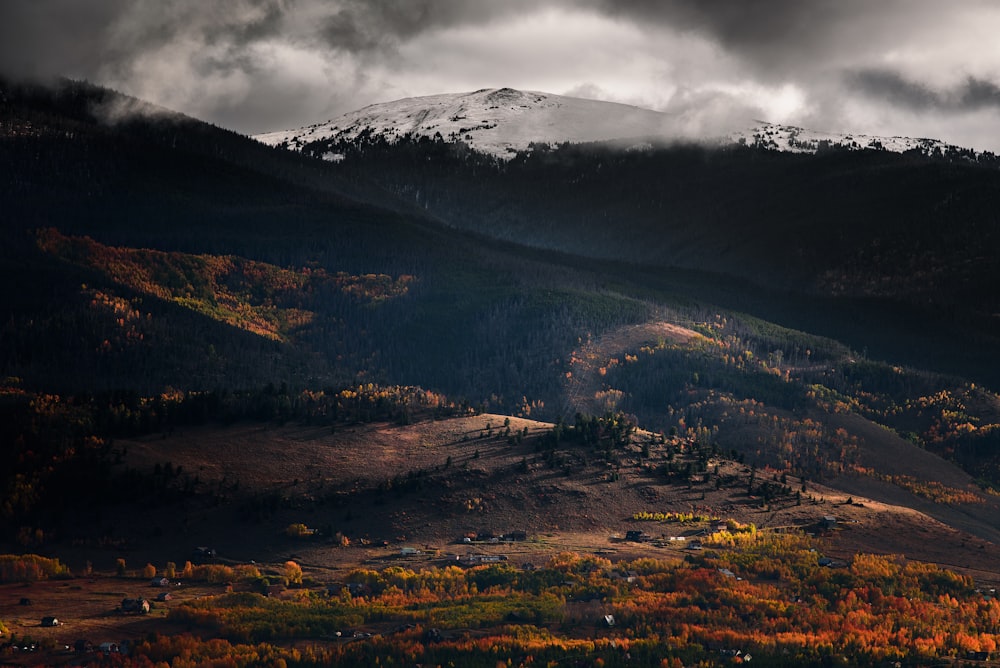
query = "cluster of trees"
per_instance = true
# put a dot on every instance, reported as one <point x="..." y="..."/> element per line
<point x="30" y="568"/>
<point x="757" y="592"/>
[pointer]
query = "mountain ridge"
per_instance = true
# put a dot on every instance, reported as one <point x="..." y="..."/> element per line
<point x="501" y="122"/>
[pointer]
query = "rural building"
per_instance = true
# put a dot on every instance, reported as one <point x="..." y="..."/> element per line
<point x="476" y="559"/>
<point x="50" y="621"/>
<point x="160" y="582"/>
<point x="637" y="537"/>
<point x="409" y="552"/>
<point x="828" y="522"/>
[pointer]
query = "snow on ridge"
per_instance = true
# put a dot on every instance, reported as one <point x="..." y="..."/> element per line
<point x="792" y="139"/>
<point x="503" y="121"/>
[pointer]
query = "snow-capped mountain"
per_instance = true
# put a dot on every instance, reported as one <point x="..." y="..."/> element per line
<point x="503" y="121"/>
<point x="495" y="121"/>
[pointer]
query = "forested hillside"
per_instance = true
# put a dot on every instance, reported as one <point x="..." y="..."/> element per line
<point x="807" y="313"/>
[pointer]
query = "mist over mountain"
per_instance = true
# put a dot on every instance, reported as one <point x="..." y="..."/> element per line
<point x="502" y="122"/>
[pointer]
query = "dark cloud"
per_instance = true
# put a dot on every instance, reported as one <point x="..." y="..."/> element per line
<point x="973" y="94"/>
<point x="367" y="25"/>
<point x="979" y="94"/>
<point x="74" y="38"/>
<point x="777" y="38"/>
<point x="892" y="87"/>
<point x="55" y="37"/>
<point x="406" y="19"/>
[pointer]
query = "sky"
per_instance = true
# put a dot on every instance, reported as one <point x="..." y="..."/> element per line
<point x="921" y="68"/>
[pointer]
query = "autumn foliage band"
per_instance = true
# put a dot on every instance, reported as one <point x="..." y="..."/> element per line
<point x="748" y="593"/>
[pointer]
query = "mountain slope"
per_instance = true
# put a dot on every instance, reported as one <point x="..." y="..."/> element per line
<point x="187" y="275"/>
<point x="188" y="225"/>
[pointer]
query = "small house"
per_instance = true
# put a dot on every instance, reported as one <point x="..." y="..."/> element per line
<point x="609" y="620"/>
<point x="637" y="537"/>
<point x="163" y="596"/>
<point x="160" y="582"/>
<point x="107" y="648"/>
<point x="477" y="559"/>
<point x="409" y="552"/>
<point x="50" y="621"/>
<point x="828" y="522"/>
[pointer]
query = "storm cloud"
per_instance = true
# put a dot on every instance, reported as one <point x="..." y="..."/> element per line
<point x="969" y="95"/>
<point x="889" y="67"/>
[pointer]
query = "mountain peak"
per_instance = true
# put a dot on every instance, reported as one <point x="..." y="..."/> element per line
<point x="497" y="121"/>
